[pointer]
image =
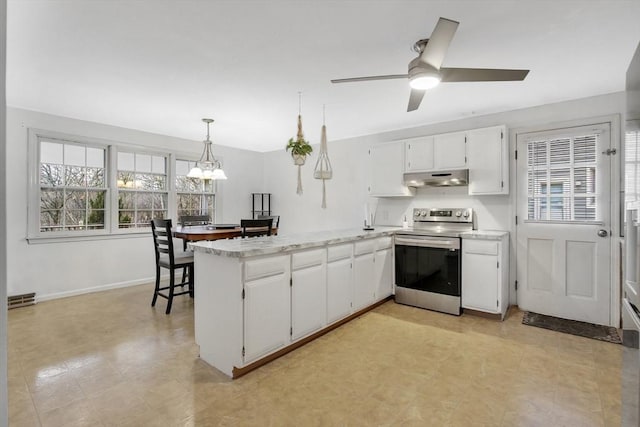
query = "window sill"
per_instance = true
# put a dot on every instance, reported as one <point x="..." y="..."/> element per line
<point x="37" y="240"/>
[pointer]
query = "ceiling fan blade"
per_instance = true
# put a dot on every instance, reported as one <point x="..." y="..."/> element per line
<point x="364" y="79"/>
<point x="481" y="75"/>
<point x="438" y="44"/>
<point x="415" y="98"/>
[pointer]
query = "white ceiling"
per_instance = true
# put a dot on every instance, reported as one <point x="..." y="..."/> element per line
<point x="160" y="66"/>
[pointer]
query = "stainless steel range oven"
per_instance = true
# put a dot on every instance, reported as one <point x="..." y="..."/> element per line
<point x="428" y="261"/>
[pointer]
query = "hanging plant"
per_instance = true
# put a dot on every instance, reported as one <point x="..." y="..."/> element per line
<point x="299" y="147"/>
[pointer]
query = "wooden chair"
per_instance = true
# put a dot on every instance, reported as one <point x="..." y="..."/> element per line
<point x="276" y="219"/>
<point x="166" y="258"/>
<point x="259" y="227"/>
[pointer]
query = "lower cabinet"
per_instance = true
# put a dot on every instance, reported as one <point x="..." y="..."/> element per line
<point x="372" y="271"/>
<point x="339" y="282"/>
<point x="485" y="272"/>
<point x="383" y="273"/>
<point x="267" y="305"/>
<point x="308" y="292"/>
<point x="363" y="275"/>
<point x="288" y="297"/>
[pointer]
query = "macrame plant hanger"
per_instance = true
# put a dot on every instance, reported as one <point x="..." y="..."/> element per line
<point x="300" y="137"/>
<point x="323" y="169"/>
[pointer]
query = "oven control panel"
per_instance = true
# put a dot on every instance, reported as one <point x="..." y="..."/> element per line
<point x="442" y="214"/>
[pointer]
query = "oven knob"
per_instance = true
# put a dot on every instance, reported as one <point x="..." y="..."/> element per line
<point x="466" y="214"/>
<point x="458" y="214"/>
<point x="423" y="213"/>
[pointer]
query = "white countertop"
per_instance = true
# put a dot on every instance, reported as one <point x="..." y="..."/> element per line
<point x="484" y="234"/>
<point x="267" y="245"/>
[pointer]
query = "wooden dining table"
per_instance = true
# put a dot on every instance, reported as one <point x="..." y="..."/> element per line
<point x="194" y="233"/>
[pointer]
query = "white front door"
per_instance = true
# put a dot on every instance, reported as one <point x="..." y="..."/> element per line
<point x="563" y="223"/>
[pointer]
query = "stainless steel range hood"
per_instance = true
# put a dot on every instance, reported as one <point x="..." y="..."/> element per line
<point x="437" y="179"/>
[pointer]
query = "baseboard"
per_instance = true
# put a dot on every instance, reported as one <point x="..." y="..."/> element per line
<point x="75" y="292"/>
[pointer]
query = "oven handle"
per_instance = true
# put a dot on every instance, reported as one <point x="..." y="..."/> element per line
<point x="428" y="243"/>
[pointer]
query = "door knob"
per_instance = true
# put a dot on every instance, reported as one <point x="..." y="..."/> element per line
<point x="603" y="233"/>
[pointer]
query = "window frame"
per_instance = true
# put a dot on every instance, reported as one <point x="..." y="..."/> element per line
<point x="111" y="227"/>
<point x="598" y="129"/>
<point x="202" y="193"/>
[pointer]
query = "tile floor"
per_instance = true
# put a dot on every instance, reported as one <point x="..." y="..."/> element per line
<point x="108" y="358"/>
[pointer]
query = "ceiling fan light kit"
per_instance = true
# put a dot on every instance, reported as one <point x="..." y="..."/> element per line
<point x="424" y="81"/>
<point x="425" y="71"/>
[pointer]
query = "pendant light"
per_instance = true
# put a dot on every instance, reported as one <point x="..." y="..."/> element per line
<point x="208" y="167"/>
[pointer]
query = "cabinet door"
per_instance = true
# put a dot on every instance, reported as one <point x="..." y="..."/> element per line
<point x="363" y="286"/>
<point x="488" y="161"/>
<point x="339" y="289"/>
<point x="308" y="300"/>
<point x="383" y="274"/>
<point x="480" y="281"/>
<point x="450" y="151"/>
<point x="419" y="154"/>
<point x="387" y="168"/>
<point x="267" y="309"/>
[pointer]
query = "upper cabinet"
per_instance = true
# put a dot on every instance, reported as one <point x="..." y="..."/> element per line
<point x="387" y="166"/>
<point x="488" y="154"/>
<point x="419" y="154"/>
<point x="450" y="151"/>
<point x="439" y="152"/>
<point x="484" y="152"/>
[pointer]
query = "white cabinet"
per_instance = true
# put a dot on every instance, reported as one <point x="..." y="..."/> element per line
<point x="363" y="284"/>
<point x="339" y="282"/>
<point x="308" y="292"/>
<point x="386" y="163"/>
<point x="449" y="151"/>
<point x="383" y="267"/>
<point x="438" y="152"/>
<point x="419" y="154"/>
<point x="267" y="305"/>
<point x="488" y="154"/>
<point x="383" y="273"/>
<point x="372" y="271"/>
<point x="485" y="275"/>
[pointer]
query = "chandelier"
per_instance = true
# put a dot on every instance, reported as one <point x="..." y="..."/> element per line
<point x="208" y="167"/>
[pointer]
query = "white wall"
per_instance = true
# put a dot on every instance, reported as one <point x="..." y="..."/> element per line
<point x="62" y="269"/>
<point x="4" y="416"/>
<point x="347" y="190"/>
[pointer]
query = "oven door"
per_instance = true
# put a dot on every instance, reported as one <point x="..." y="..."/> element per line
<point x="430" y="264"/>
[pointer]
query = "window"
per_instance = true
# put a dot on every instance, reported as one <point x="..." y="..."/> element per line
<point x="193" y="196"/>
<point x="83" y="188"/>
<point x="561" y="178"/>
<point x="72" y="186"/>
<point x="142" y="189"/>
<point x="632" y="160"/>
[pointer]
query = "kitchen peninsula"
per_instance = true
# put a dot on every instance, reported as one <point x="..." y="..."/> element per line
<point x="259" y="298"/>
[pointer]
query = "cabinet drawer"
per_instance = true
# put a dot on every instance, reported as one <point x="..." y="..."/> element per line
<point x="364" y="247"/>
<point x="383" y="242"/>
<point x="339" y="252"/>
<point x="264" y="267"/>
<point x="486" y="247"/>
<point x="307" y="258"/>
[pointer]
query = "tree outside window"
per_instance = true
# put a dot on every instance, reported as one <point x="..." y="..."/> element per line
<point x="72" y="186"/>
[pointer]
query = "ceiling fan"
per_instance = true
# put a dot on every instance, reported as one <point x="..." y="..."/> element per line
<point x="425" y="71"/>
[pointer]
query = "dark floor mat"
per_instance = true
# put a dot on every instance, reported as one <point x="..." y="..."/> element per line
<point x="573" y="327"/>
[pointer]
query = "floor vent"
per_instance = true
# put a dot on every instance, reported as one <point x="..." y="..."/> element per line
<point x="16" y="301"/>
